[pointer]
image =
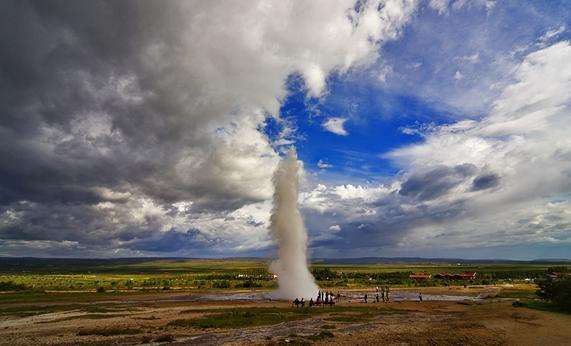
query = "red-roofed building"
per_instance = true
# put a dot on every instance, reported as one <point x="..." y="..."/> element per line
<point x="468" y="276"/>
<point x="558" y="275"/>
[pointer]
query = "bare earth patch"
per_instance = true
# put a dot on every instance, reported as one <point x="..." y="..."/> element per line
<point x="186" y="322"/>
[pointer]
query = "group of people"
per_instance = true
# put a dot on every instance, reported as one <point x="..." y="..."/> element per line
<point x="299" y="302"/>
<point x="323" y="298"/>
<point x="328" y="298"/>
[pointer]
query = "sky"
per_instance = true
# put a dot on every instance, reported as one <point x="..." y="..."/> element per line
<point x="435" y="128"/>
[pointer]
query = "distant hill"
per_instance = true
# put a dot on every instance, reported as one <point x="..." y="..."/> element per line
<point x="33" y="262"/>
<point x="413" y="260"/>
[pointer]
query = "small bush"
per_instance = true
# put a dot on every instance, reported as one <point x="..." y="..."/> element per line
<point x="165" y="338"/>
<point x="322" y="274"/>
<point x="150" y="318"/>
<point x="11" y="286"/>
<point x="220" y="284"/>
<point x="556" y="291"/>
<point x="321" y="335"/>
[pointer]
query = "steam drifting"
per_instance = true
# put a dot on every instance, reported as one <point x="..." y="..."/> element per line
<point x="287" y="228"/>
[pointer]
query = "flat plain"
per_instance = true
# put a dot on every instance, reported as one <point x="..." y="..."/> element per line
<point x="211" y="302"/>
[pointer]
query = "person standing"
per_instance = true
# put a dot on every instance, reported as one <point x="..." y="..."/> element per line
<point x="365" y="297"/>
<point x="387" y="293"/>
<point x="420" y="296"/>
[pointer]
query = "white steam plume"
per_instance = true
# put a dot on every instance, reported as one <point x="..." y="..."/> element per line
<point x="287" y="228"/>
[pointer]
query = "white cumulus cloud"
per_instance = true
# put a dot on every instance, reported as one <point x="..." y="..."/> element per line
<point x="336" y="126"/>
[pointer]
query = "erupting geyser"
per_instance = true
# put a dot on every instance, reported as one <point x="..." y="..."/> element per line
<point x="287" y="228"/>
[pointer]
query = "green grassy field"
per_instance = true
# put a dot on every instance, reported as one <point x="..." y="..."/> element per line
<point x="34" y="275"/>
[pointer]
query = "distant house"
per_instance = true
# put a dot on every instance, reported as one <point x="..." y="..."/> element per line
<point x="467" y="276"/>
<point x="557" y="275"/>
<point x="419" y="276"/>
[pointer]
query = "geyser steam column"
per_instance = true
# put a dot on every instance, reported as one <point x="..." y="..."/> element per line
<point x="287" y="228"/>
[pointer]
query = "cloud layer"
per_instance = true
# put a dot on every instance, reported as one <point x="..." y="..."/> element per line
<point x="140" y="128"/>
<point x="135" y="125"/>
<point x="504" y="180"/>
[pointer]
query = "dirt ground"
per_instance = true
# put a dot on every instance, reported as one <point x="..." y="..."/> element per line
<point x="145" y="320"/>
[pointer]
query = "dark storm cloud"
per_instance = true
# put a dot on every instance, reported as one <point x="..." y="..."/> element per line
<point x="98" y="103"/>
<point x="124" y="120"/>
<point x="80" y="223"/>
<point x="46" y="68"/>
<point x="383" y="220"/>
<point x="169" y="241"/>
<point x="436" y="182"/>
<point x="485" y="181"/>
<point x="386" y="227"/>
<point x="65" y="65"/>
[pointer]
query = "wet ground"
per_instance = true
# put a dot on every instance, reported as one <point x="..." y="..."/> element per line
<point x="447" y="316"/>
<point x="354" y="296"/>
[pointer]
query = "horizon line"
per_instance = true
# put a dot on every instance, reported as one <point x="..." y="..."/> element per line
<point x="312" y="260"/>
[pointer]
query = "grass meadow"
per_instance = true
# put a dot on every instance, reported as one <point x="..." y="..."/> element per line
<point x="35" y="276"/>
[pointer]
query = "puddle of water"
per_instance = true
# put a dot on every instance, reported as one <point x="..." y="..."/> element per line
<point x="237" y="297"/>
<point x="354" y="297"/>
<point x="413" y="296"/>
<point x="346" y="297"/>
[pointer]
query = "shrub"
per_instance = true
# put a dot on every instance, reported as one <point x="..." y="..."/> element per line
<point x="221" y="284"/>
<point x="323" y="274"/>
<point x="165" y="338"/>
<point x="328" y="326"/>
<point x="321" y="335"/>
<point x="11" y="286"/>
<point x="129" y="284"/>
<point x="556" y="291"/>
<point x="249" y="284"/>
